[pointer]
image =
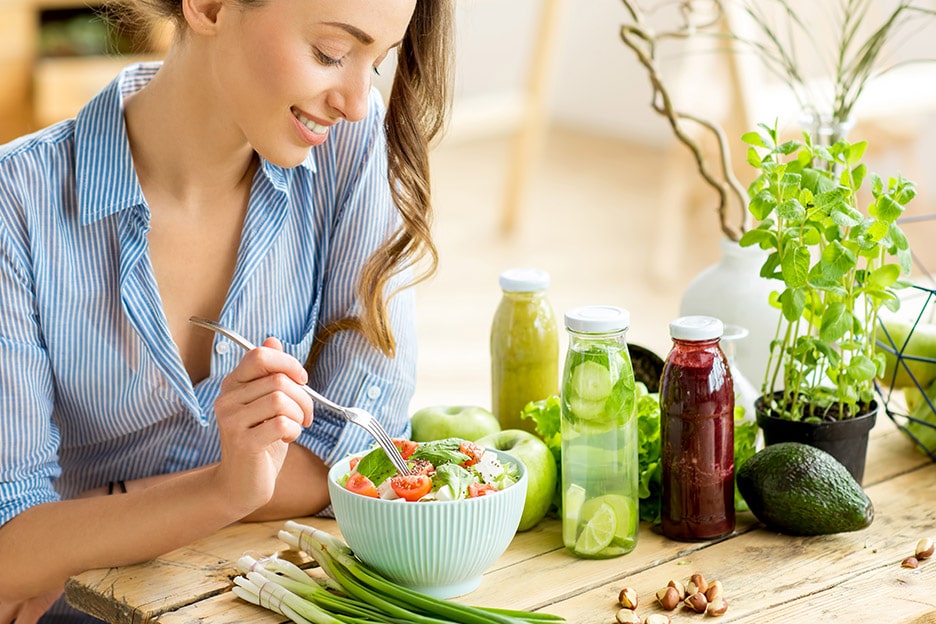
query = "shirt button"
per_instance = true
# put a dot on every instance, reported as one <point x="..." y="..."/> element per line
<point x="373" y="393"/>
<point x="222" y="347"/>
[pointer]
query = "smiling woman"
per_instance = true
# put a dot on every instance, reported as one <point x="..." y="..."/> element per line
<point x="256" y="177"/>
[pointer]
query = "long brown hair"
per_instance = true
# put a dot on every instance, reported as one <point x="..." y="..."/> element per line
<point x="416" y="113"/>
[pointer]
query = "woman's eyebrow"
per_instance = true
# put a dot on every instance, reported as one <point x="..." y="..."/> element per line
<point x="354" y="31"/>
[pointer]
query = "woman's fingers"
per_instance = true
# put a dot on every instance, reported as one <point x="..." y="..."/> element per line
<point x="270" y="382"/>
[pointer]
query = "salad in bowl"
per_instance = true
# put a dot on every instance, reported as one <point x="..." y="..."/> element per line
<point x="440" y="528"/>
<point x="442" y="470"/>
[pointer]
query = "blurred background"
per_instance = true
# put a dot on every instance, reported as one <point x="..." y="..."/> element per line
<point x="554" y="157"/>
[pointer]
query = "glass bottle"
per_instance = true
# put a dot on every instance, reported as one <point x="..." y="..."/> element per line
<point x="524" y="347"/>
<point x="599" y="435"/>
<point x="697" y="430"/>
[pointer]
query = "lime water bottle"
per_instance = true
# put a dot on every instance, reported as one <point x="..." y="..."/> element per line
<point x="599" y="435"/>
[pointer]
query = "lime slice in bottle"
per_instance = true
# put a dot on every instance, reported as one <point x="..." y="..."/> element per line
<point x="571" y="510"/>
<point x="624" y="514"/>
<point x="598" y="531"/>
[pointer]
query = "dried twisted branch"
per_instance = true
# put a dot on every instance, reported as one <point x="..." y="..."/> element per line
<point x="641" y="38"/>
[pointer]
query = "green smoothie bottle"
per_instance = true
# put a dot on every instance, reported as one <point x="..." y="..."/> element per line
<point x="599" y="435"/>
<point x="524" y="347"/>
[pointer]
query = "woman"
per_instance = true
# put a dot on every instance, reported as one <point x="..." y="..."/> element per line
<point x="251" y="177"/>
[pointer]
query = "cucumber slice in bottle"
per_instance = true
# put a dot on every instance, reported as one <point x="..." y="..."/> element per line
<point x="583" y="409"/>
<point x="591" y="381"/>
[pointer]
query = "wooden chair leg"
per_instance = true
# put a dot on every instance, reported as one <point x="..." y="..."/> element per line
<point x="528" y="142"/>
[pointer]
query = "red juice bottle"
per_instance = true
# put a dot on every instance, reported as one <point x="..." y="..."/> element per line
<point x="697" y="426"/>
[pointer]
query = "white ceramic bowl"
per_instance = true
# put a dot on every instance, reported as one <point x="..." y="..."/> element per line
<point x="440" y="548"/>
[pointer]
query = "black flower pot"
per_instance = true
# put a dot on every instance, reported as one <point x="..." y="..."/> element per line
<point x="845" y="440"/>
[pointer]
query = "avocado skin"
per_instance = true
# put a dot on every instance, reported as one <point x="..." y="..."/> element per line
<point x="798" y="489"/>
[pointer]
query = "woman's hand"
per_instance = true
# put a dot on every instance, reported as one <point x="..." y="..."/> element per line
<point x="260" y="410"/>
<point x="28" y="611"/>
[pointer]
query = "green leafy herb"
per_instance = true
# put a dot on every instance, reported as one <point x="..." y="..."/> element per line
<point x="745" y="440"/>
<point x="547" y="416"/>
<point x="376" y="466"/>
<point x="648" y="454"/>
<point x="836" y="265"/>
<point x="440" y="452"/>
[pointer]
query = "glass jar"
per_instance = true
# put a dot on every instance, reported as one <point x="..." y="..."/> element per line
<point x="599" y="435"/>
<point x="524" y="347"/>
<point x="697" y="429"/>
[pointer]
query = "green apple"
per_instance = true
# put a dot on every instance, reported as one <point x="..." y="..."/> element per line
<point x="541" y="470"/>
<point x="920" y="349"/>
<point x="438" y="422"/>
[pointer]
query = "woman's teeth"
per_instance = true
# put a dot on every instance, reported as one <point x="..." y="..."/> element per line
<point x="311" y="125"/>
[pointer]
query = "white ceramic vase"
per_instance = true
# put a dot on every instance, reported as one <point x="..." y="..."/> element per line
<point x="733" y="291"/>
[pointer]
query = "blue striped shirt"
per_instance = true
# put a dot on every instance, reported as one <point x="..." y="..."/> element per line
<point x="92" y="387"/>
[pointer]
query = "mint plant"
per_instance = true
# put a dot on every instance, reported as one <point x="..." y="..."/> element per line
<point x="838" y="265"/>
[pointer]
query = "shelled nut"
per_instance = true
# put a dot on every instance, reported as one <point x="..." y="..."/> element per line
<point x="628" y="598"/>
<point x="679" y="587"/>
<point x="924" y="549"/>
<point x="696" y="584"/>
<point x="627" y="616"/>
<point x="668" y="597"/>
<point x="713" y="590"/>
<point x="658" y="618"/>
<point x="717" y="607"/>
<point x="910" y="562"/>
<point x="697" y="602"/>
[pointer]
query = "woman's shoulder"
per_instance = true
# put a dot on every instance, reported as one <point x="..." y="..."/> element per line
<point x="41" y="144"/>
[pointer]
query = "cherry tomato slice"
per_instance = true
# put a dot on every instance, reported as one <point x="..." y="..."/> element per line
<point x="480" y="489"/>
<point x="359" y="484"/>
<point x="353" y="462"/>
<point x="422" y="466"/>
<point x="411" y="487"/>
<point x="406" y="447"/>
<point x="472" y="450"/>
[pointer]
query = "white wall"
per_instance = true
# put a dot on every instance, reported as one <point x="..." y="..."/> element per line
<point x="596" y="81"/>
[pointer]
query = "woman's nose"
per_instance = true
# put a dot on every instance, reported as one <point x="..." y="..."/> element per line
<point x="350" y="96"/>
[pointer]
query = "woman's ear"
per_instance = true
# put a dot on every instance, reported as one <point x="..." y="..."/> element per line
<point x="202" y="15"/>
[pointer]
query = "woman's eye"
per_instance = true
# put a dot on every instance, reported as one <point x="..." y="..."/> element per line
<point x="324" y="59"/>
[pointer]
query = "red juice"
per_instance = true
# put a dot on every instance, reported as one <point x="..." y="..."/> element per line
<point x="697" y="411"/>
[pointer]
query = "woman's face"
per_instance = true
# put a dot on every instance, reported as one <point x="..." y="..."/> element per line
<point x="285" y="71"/>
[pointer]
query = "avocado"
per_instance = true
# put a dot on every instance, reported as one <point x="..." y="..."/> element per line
<point x="798" y="489"/>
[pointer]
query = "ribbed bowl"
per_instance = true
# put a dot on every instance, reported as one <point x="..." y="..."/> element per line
<point x="440" y="548"/>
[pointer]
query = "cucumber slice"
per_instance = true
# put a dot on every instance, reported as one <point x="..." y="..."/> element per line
<point x="591" y="381"/>
<point x="584" y="409"/>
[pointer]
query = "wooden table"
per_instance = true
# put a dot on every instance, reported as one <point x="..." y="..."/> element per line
<point x="767" y="577"/>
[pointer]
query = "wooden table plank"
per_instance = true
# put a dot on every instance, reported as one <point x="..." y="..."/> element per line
<point x="772" y="578"/>
<point x="536" y="572"/>
<point x="140" y="593"/>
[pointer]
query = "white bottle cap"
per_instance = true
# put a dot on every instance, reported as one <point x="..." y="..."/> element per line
<point x="597" y="319"/>
<point x="524" y="280"/>
<point x="696" y="328"/>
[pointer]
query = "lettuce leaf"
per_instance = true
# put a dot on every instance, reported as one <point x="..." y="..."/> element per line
<point x="547" y="416"/>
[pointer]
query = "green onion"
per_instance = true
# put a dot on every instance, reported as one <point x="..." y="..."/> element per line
<point x="351" y="592"/>
<point x="338" y="561"/>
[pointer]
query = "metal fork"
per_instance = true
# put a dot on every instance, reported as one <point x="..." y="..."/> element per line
<point x="355" y="415"/>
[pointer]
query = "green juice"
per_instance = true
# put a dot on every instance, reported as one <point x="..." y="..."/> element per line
<point x="524" y="353"/>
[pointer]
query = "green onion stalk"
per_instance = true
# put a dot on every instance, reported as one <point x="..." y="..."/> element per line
<point x="352" y="592"/>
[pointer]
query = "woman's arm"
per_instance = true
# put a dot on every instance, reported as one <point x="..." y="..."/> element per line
<point x="260" y="411"/>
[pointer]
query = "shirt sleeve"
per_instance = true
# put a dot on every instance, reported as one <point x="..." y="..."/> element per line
<point x="349" y="370"/>
<point x="28" y="436"/>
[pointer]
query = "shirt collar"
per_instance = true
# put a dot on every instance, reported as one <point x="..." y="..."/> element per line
<point x="105" y="178"/>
